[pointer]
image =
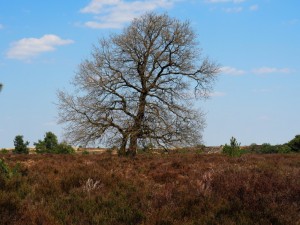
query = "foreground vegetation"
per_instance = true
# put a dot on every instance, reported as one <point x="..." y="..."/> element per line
<point x="150" y="189"/>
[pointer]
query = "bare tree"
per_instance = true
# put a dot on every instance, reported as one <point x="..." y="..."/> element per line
<point x="134" y="88"/>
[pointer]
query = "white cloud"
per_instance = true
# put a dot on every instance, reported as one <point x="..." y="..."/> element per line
<point x="225" y="1"/>
<point x="27" y="48"/>
<point x="292" y="22"/>
<point x="232" y="71"/>
<point x="115" y="13"/>
<point x="269" y="70"/>
<point x="233" y="10"/>
<point x="1" y="26"/>
<point x="253" y="7"/>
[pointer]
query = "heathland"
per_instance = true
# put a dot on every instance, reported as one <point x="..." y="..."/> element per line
<point x="179" y="188"/>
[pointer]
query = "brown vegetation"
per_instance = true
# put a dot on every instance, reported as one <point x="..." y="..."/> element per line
<point x="151" y="189"/>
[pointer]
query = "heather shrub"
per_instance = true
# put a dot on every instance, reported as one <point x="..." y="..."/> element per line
<point x="20" y="145"/>
<point x="151" y="189"/>
<point x="233" y="149"/>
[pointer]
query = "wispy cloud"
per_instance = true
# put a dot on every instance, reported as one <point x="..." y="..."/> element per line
<point x="292" y="22"/>
<point x="115" y="13"/>
<point x="27" y="48"/>
<point x="232" y="71"/>
<point x="270" y="70"/>
<point x="233" y="10"/>
<point x="253" y="7"/>
<point x="224" y="1"/>
<point x="1" y="26"/>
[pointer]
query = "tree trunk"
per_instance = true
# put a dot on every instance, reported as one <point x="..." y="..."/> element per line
<point x="122" y="150"/>
<point x="132" y="146"/>
<point x="137" y="127"/>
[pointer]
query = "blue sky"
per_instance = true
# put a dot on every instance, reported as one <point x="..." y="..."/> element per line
<point x="257" y="43"/>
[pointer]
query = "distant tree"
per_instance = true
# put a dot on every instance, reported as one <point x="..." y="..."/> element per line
<point x="20" y="145"/>
<point x="51" y="145"/>
<point x="295" y="144"/>
<point x="135" y="88"/>
<point x="48" y="145"/>
<point x="233" y="149"/>
<point x="1" y="86"/>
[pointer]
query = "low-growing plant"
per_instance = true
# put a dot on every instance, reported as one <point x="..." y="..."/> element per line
<point x="4" y="151"/>
<point x="6" y="171"/>
<point x="233" y="149"/>
<point x="85" y="152"/>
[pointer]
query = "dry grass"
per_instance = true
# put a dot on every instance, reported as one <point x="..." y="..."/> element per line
<point x="151" y="189"/>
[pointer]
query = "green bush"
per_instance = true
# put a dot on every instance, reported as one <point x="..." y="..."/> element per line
<point x="267" y="148"/>
<point x="4" y="151"/>
<point x="85" y="152"/>
<point x="6" y="171"/>
<point x="48" y="145"/>
<point x="233" y="149"/>
<point x="64" y="148"/>
<point x="295" y="144"/>
<point x="20" y="145"/>
<point x="51" y="145"/>
<point x="283" y="149"/>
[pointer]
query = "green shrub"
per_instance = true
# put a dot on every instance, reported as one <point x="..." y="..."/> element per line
<point x="233" y="149"/>
<point x="20" y="145"/>
<point x="64" y="148"/>
<point x="4" y="151"/>
<point x="295" y="144"/>
<point x="283" y="149"/>
<point x="267" y="148"/>
<point x="51" y="145"/>
<point x="48" y="145"/>
<point x="6" y="171"/>
<point x="85" y="152"/>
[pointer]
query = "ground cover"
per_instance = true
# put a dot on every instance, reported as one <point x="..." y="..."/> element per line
<point x="157" y="189"/>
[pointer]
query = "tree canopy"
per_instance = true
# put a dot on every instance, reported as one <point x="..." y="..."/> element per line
<point x="136" y="88"/>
